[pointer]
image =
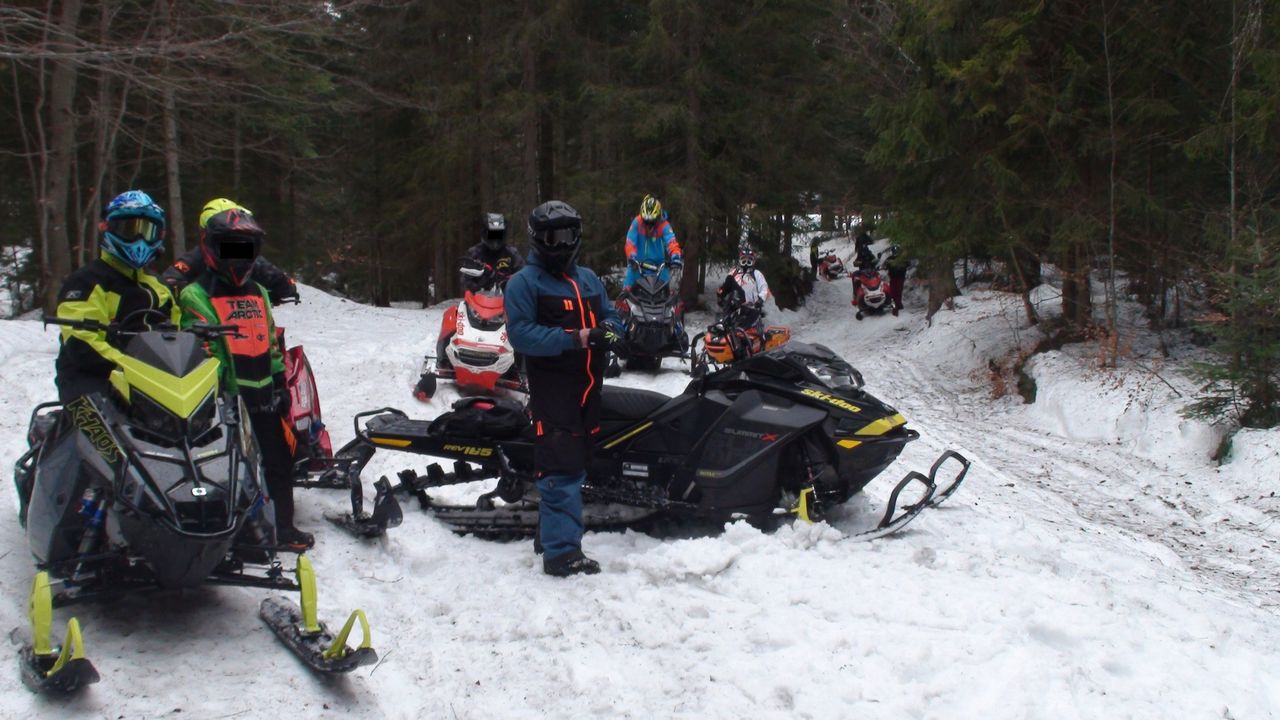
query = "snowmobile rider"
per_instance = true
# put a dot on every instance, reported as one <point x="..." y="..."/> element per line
<point x="896" y="263"/>
<point x="650" y="239"/>
<point x="863" y="256"/>
<point x="280" y="287"/>
<point x="815" y="257"/>
<point x="755" y="289"/>
<point x="116" y="286"/>
<point x="251" y="365"/>
<point x="499" y="260"/>
<point x="559" y="317"/>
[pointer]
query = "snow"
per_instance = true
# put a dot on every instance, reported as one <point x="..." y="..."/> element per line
<point x="1097" y="562"/>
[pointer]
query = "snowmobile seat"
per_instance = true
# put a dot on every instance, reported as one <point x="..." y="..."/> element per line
<point x="623" y="403"/>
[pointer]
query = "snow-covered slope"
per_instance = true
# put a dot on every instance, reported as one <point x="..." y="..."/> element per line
<point x="1089" y="568"/>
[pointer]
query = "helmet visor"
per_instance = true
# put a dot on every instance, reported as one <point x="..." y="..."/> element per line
<point x="560" y="238"/>
<point x="130" y="229"/>
<point x="495" y="238"/>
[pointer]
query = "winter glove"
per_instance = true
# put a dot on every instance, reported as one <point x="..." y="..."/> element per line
<point x="598" y="338"/>
<point x="281" y="399"/>
<point x="677" y="261"/>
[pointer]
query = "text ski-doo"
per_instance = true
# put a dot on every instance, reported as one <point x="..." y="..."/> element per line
<point x="158" y="486"/>
<point x="787" y="430"/>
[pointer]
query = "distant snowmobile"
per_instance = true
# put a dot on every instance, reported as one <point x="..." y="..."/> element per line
<point x="650" y="314"/>
<point x="831" y="267"/>
<point x="789" y="431"/>
<point x="472" y="348"/>
<point x="158" y="486"/>
<point x="870" y="292"/>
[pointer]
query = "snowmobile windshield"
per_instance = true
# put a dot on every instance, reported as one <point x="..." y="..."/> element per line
<point x="480" y="317"/>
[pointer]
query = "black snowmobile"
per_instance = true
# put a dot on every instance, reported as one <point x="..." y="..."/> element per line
<point x="652" y="329"/>
<point x="787" y="430"/>
<point x="157" y="486"/>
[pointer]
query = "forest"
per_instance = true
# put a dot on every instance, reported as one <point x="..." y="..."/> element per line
<point x="1132" y="145"/>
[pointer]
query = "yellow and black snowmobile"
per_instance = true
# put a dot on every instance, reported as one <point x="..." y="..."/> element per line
<point x="789" y="431"/>
<point x="156" y="485"/>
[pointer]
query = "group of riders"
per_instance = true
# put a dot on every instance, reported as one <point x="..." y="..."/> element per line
<point x="866" y="275"/>
<point x="225" y="280"/>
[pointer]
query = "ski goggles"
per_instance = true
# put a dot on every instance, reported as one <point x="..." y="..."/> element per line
<point x="560" y="237"/>
<point x="131" y="229"/>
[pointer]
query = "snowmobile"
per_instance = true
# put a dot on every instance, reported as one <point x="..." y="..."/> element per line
<point x="870" y="292"/>
<point x="790" y="431"/>
<point x="650" y="313"/>
<point x="155" y="485"/>
<point x="734" y="335"/>
<point x="472" y="348"/>
<point x="831" y="267"/>
<point x="312" y="449"/>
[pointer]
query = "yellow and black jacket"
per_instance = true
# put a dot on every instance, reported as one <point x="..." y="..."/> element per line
<point x="106" y="290"/>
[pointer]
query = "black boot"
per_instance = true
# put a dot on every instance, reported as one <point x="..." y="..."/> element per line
<point x="570" y="563"/>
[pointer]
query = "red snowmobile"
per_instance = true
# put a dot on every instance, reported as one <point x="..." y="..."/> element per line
<point x="870" y="292"/>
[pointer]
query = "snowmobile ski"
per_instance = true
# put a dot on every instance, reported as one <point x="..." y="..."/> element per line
<point x="308" y="638"/>
<point x="337" y="471"/>
<point x="942" y="495"/>
<point x="48" y="668"/>
<point x="386" y="512"/>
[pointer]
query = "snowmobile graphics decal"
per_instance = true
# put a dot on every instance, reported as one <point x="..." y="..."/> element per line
<point x="838" y="402"/>
<point x="761" y="436"/>
<point x="644" y="426"/>
<point x="91" y="424"/>
<point x="469" y="450"/>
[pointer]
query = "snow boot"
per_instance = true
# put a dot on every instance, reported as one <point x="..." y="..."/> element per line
<point x="858" y="315"/>
<point x="294" y="539"/>
<point x="570" y="563"/>
<point x="895" y="312"/>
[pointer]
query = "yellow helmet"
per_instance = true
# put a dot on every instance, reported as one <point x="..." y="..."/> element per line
<point x="650" y="208"/>
<point x="217" y="205"/>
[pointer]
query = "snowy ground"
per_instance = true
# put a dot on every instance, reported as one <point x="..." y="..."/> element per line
<point x="1096" y="564"/>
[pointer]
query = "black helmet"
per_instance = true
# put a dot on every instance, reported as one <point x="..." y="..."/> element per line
<point x="555" y="231"/>
<point x="495" y="232"/>
<point x="231" y="241"/>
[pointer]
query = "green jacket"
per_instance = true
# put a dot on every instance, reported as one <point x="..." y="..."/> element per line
<point x="250" y="364"/>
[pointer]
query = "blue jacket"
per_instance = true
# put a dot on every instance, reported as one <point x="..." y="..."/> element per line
<point x="650" y="243"/>
<point x="544" y="313"/>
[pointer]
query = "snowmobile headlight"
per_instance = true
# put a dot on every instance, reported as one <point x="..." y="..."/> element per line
<point x="154" y="418"/>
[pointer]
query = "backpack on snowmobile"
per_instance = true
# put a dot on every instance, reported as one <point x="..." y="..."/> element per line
<point x="790" y="430"/>
<point x="650" y="311"/>
<point x="156" y="485"/>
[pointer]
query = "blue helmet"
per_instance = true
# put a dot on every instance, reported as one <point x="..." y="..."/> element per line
<point x="133" y="228"/>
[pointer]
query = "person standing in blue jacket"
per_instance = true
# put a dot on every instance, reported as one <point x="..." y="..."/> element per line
<point x="650" y="239"/>
<point x="558" y="317"/>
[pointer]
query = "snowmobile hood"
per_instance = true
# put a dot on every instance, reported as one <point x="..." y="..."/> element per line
<point x="170" y="369"/>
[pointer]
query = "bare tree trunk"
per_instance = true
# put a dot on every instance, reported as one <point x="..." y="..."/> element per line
<point x="55" y="248"/>
<point x="175" y="227"/>
<point x="529" y="84"/>
<point x="691" y="284"/>
<point x="1113" y="332"/>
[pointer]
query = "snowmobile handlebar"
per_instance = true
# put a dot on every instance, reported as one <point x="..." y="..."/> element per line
<point x="206" y="332"/>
